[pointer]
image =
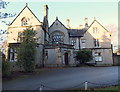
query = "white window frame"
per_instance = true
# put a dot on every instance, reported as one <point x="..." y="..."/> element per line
<point x="13" y="58"/>
<point x="98" y="57"/>
<point x="83" y="43"/>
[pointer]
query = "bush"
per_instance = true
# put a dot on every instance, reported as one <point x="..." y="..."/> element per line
<point x="84" y="56"/>
<point x="6" y="68"/>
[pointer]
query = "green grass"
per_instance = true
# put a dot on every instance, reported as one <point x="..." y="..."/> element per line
<point x="116" y="88"/>
<point x="105" y="89"/>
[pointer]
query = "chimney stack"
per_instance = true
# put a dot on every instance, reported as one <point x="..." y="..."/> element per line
<point x="68" y="23"/>
<point x="86" y="22"/>
<point x="45" y="21"/>
<point x="46" y="11"/>
<point x="80" y="26"/>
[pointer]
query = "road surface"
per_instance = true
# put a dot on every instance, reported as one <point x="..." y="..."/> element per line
<point x="66" y="78"/>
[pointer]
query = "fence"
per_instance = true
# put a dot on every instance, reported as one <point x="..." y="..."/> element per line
<point x="83" y="86"/>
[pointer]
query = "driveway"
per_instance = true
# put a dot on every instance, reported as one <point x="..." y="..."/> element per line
<point x="50" y="79"/>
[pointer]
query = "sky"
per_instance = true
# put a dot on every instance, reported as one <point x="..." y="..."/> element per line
<point x="104" y="12"/>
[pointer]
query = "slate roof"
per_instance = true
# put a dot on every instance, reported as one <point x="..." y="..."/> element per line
<point x="77" y="32"/>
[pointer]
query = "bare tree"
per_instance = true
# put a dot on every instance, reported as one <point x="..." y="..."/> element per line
<point x="4" y="21"/>
<point x="113" y="29"/>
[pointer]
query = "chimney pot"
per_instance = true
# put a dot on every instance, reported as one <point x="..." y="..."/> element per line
<point x="68" y="23"/>
<point x="81" y="26"/>
<point x="86" y="22"/>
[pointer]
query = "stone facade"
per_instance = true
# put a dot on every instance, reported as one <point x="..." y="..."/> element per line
<point x="99" y="40"/>
<point x="57" y="44"/>
<point x="24" y="19"/>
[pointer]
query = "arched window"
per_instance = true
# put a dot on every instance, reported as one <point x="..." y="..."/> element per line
<point x="24" y="21"/>
<point x="57" y="37"/>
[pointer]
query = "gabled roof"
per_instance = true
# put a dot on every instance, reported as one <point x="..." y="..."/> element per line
<point x="22" y="11"/>
<point x="99" y="24"/>
<point x="59" y="22"/>
<point x="72" y="32"/>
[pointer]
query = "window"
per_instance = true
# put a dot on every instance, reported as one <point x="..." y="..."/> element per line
<point x="95" y="30"/>
<point x="73" y="41"/>
<point x="98" y="56"/>
<point x="96" y="42"/>
<point x="12" y="55"/>
<point x="83" y="43"/>
<point x="24" y="21"/>
<point x="46" y="54"/>
<point x="20" y="36"/>
<point x="57" y="37"/>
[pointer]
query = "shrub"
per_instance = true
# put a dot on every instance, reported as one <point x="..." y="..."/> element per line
<point x="6" y="68"/>
<point x="84" y="56"/>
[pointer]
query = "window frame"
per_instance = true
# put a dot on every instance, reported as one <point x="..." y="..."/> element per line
<point x="95" y="30"/>
<point x="83" y="41"/>
<point x="98" y="57"/>
<point x="57" y="37"/>
<point x="96" y="43"/>
<point x="12" y="55"/>
<point x="24" y="21"/>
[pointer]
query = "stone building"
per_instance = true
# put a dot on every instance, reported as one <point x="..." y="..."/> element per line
<point x="58" y="44"/>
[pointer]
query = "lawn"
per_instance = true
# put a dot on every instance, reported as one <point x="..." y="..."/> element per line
<point x="105" y="89"/>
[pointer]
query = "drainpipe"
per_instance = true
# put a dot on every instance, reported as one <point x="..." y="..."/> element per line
<point x="112" y="54"/>
<point x="79" y="42"/>
<point x="43" y="56"/>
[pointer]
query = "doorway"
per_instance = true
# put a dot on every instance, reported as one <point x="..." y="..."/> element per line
<point x="66" y="58"/>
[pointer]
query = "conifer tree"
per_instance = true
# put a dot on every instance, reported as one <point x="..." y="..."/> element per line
<point x="26" y="51"/>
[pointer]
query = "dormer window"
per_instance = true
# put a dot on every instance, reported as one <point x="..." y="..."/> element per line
<point x="24" y="21"/>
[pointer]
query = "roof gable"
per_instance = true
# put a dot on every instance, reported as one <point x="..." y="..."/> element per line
<point x="95" y="21"/>
<point x="57" y="22"/>
<point x="96" y="30"/>
<point x="26" y="12"/>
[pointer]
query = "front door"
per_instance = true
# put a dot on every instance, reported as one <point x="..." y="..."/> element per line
<point x="66" y="58"/>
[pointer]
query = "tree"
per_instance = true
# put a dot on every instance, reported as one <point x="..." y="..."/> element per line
<point x="26" y="52"/>
<point x="113" y="29"/>
<point x="84" y="56"/>
<point x="5" y="18"/>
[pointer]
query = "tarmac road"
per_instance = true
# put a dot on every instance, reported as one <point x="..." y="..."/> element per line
<point x="54" y="79"/>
